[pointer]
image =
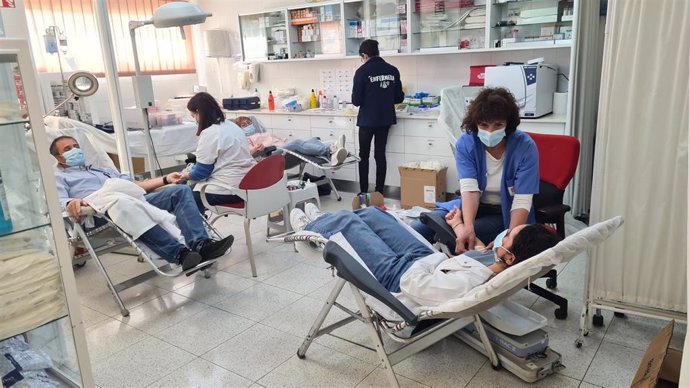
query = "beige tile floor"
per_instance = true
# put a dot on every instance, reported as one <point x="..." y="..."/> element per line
<point x="233" y="330"/>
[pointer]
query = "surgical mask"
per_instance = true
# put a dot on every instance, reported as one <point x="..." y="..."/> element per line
<point x="498" y="243"/>
<point x="74" y="157"/>
<point x="491" y="139"/>
<point x="249" y="129"/>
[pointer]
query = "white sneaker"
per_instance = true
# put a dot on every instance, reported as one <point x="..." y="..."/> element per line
<point x="313" y="212"/>
<point x="340" y="143"/>
<point x="338" y="157"/>
<point x="298" y="220"/>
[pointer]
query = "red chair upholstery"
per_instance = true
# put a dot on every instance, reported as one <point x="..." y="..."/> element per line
<point x="558" y="158"/>
<point x="264" y="190"/>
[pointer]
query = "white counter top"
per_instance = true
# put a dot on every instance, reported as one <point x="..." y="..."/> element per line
<point x="424" y="115"/>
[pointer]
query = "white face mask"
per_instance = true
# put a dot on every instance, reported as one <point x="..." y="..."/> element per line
<point x="491" y="139"/>
<point x="498" y="243"/>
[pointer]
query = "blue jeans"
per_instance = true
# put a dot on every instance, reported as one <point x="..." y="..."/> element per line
<point x="179" y="201"/>
<point x="487" y="224"/>
<point x="310" y="147"/>
<point x="383" y="244"/>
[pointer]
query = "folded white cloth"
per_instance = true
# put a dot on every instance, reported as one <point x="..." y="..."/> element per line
<point x="475" y="20"/>
<point x="126" y="206"/>
<point x="452" y="111"/>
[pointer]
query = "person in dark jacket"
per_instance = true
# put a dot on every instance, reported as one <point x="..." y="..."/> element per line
<point x="376" y="89"/>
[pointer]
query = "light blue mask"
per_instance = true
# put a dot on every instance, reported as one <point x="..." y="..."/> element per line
<point x="249" y="130"/>
<point x="491" y="139"/>
<point x="74" y="157"/>
<point x="498" y="243"/>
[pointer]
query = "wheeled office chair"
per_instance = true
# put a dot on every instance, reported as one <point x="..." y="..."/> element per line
<point x="558" y="157"/>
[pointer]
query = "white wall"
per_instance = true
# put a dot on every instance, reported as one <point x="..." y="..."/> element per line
<point x="429" y="73"/>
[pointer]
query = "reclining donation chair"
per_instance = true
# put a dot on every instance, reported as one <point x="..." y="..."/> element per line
<point x="263" y="190"/>
<point x="374" y="304"/>
<point x="91" y="243"/>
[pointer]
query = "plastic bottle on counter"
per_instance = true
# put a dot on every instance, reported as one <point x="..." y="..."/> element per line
<point x="256" y="92"/>
<point x="5" y="220"/>
<point x="324" y="101"/>
<point x="271" y="102"/>
<point x="312" y="100"/>
<point x="334" y="102"/>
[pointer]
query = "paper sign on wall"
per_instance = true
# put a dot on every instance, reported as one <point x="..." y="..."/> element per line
<point x="429" y="194"/>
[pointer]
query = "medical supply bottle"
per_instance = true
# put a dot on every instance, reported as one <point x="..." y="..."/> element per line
<point x="271" y="102"/>
<point x="334" y="102"/>
<point x="5" y="220"/>
<point x="312" y="100"/>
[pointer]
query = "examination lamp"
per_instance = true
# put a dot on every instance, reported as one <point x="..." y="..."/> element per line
<point x="81" y="84"/>
<point x="175" y="14"/>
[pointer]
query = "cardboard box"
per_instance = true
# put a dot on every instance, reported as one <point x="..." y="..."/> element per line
<point x="660" y="365"/>
<point x="421" y="187"/>
<point x="137" y="163"/>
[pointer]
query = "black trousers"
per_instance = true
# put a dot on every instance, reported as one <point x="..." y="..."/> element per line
<point x="380" y="136"/>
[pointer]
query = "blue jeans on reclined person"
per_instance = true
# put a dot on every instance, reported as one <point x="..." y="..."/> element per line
<point x="178" y="200"/>
<point x="312" y="147"/>
<point x="386" y="247"/>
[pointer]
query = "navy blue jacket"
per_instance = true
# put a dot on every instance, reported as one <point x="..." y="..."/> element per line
<point x="376" y="87"/>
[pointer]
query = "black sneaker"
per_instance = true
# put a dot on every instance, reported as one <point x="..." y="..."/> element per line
<point x="189" y="259"/>
<point x="213" y="249"/>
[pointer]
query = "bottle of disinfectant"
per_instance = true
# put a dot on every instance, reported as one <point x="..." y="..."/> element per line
<point x="271" y="102"/>
<point x="312" y="100"/>
<point x="5" y="220"/>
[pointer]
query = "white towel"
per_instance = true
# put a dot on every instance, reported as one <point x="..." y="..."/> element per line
<point x="475" y="20"/>
<point x="452" y="111"/>
<point x="126" y="206"/>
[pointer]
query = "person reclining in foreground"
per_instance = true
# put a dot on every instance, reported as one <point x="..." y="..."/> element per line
<point x="408" y="268"/>
<point x="332" y="150"/>
<point x="76" y="180"/>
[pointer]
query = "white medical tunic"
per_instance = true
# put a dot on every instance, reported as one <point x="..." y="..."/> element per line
<point x="435" y="279"/>
<point x="225" y="146"/>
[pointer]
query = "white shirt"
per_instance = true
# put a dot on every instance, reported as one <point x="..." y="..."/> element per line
<point x="225" y="146"/>
<point x="494" y="174"/>
<point x="435" y="279"/>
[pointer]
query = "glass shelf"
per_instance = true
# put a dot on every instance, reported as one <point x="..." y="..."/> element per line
<point x="315" y="31"/>
<point x="13" y="122"/>
<point x="438" y="25"/>
<point x="35" y="312"/>
<point x="530" y="22"/>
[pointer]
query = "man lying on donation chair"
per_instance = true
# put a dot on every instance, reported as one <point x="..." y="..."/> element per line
<point x="82" y="185"/>
<point x="329" y="150"/>
<point x="407" y="267"/>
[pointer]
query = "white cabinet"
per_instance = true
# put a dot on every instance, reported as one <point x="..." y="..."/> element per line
<point x="39" y="306"/>
<point x="290" y="122"/>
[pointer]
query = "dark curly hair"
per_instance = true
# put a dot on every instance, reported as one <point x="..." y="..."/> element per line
<point x="492" y="104"/>
<point x="532" y="240"/>
<point x="207" y="109"/>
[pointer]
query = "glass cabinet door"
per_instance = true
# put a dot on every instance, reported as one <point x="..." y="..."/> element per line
<point x="388" y="25"/>
<point x="531" y="22"/>
<point x="442" y="25"/>
<point x="316" y="31"/>
<point x="37" y="341"/>
<point x="356" y="23"/>
<point x="264" y="36"/>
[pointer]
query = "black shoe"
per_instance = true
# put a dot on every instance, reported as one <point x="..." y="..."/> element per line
<point x="189" y="259"/>
<point x="213" y="249"/>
